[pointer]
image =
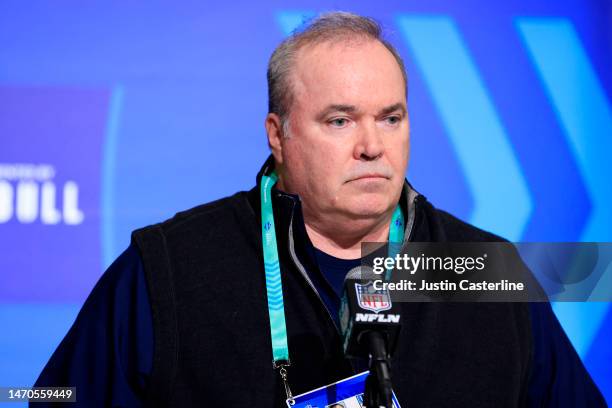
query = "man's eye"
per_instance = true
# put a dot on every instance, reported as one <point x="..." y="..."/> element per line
<point x="339" y="122"/>
<point x="393" y="120"/>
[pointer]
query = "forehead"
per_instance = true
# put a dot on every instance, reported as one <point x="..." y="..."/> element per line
<point x="362" y="72"/>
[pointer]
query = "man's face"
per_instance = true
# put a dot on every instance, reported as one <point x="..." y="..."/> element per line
<point x="348" y="142"/>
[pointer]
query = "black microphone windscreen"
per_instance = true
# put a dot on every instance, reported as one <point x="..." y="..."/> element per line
<point x="360" y="272"/>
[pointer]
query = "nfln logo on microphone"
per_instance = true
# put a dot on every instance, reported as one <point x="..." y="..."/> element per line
<point x="371" y="299"/>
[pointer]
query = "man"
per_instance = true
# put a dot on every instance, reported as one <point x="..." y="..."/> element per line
<point x="184" y="316"/>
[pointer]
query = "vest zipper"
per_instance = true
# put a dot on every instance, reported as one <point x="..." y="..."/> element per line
<point x="302" y="270"/>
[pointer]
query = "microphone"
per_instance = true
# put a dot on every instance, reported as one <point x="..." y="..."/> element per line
<point x="370" y="326"/>
<point x="365" y="309"/>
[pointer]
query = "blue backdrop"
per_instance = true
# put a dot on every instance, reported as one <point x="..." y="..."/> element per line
<point x="115" y="115"/>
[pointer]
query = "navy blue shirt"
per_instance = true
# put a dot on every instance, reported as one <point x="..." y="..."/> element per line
<point x="108" y="352"/>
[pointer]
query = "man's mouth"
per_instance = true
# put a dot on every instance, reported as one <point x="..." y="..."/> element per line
<point x="370" y="176"/>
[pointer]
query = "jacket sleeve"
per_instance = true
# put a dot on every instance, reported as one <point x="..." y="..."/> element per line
<point x="107" y="354"/>
<point x="558" y="377"/>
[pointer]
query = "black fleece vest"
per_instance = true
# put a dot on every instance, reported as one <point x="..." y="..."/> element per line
<point x="205" y="276"/>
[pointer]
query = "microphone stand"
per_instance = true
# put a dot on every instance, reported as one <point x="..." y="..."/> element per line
<point x="378" y="389"/>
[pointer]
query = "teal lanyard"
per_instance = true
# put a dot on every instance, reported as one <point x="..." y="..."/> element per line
<point x="274" y="288"/>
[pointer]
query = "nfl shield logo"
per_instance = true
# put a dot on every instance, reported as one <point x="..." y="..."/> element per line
<point x="371" y="299"/>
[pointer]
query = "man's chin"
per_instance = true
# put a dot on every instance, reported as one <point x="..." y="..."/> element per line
<point x="369" y="210"/>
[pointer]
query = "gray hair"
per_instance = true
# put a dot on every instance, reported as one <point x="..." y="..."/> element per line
<point x="333" y="26"/>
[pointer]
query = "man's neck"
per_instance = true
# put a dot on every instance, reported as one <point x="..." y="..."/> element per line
<point x="345" y="243"/>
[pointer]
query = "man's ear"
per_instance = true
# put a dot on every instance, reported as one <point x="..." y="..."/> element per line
<point x="274" y="129"/>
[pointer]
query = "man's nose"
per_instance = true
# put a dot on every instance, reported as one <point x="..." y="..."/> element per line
<point x="369" y="145"/>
